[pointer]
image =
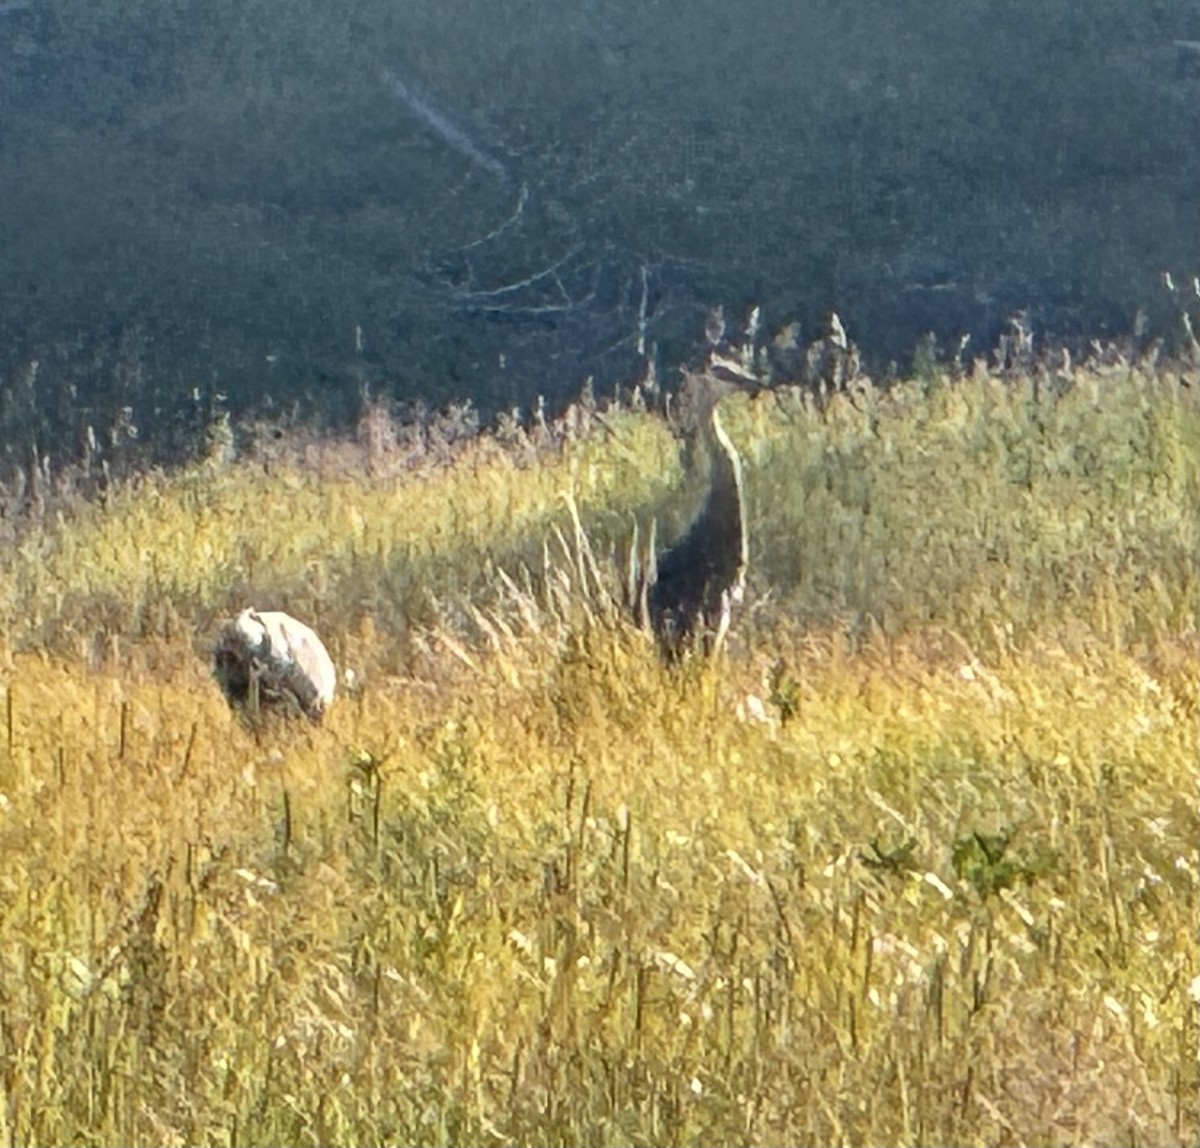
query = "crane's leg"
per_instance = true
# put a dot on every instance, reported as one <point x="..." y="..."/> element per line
<point x="723" y="621"/>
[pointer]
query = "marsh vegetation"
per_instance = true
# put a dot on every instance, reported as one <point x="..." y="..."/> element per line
<point x="915" y="862"/>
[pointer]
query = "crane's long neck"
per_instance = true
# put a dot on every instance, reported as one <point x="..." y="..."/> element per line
<point x="725" y="496"/>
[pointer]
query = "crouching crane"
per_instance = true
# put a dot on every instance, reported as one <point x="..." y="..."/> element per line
<point x="702" y="577"/>
<point x="265" y="660"/>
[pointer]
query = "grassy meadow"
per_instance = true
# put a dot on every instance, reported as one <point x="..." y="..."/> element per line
<point x="915" y="862"/>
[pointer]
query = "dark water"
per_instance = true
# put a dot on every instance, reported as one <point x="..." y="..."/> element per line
<point x="285" y="201"/>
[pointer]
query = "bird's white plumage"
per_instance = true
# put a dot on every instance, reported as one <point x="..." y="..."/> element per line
<point x="277" y="656"/>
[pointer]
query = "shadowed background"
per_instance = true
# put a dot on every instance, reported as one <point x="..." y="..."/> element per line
<point x="214" y="205"/>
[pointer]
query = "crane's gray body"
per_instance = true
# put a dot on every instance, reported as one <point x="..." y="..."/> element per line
<point x="265" y="659"/>
<point x="703" y="575"/>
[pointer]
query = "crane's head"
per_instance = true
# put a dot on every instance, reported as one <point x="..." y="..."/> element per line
<point x="702" y="390"/>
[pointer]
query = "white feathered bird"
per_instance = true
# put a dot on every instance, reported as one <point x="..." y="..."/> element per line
<point x="266" y="659"/>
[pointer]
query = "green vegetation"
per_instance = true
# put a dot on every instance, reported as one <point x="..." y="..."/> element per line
<point x="915" y="863"/>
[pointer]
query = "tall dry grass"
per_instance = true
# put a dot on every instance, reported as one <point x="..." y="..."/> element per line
<point x="916" y="862"/>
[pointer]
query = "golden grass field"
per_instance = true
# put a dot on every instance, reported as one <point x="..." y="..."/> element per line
<point x="916" y="862"/>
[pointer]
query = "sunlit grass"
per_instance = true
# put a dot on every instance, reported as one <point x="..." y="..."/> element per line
<point x="916" y="863"/>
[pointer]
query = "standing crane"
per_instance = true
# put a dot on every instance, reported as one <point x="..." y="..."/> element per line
<point x="699" y="580"/>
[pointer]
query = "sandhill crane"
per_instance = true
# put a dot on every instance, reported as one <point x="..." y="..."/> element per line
<point x="267" y="660"/>
<point x="700" y="579"/>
